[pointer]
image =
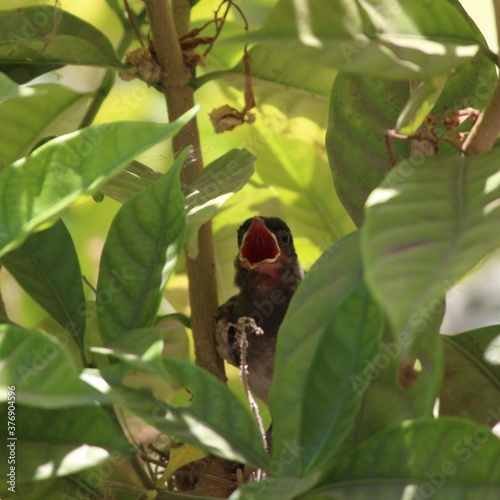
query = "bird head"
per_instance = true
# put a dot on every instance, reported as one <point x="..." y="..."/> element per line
<point x="266" y="252"/>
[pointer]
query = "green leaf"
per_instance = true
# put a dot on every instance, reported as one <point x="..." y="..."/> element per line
<point x="9" y="89"/>
<point x="215" y="420"/>
<point x="331" y="329"/>
<point x="216" y="183"/>
<point x="26" y="120"/>
<point x="141" y="348"/>
<point x="374" y="37"/>
<point x="420" y="104"/>
<point x="58" y="442"/>
<point x="48" y="36"/>
<point x="471" y="386"/>
<point x="144" y="241"/>
<point x="134" y="178"/>
<point x="408" y="394"/>
<point x="448" y="451"/>
<point x="40" y="186"/>
<point x="47" y="267"/>
<point x="363" y="107"/>
<point x="42" y="371"/>
<point x="425" y="227"/>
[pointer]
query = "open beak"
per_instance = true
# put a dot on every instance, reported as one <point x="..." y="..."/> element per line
<point x="259" y="245"/>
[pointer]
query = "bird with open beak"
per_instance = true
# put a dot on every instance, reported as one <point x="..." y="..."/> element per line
<point x="267" y="274"/>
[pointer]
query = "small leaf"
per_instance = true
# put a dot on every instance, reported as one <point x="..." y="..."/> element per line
<point x="425" y="228"/>
<point x="420" y="104"/>
<point x="471" y="385"/>
<point x="58" y="442"/>
<point x="44" y="374"/>
<point x="332" y="327"/>
<point x="216" y="183"/>
<point x="47" y="267"/>
<point x="44" y="35"/>
<point x="180" y="456"/>
<point x="144" y="241"/>
<point x="27" y="119"/>
<point x="38" y="187"/>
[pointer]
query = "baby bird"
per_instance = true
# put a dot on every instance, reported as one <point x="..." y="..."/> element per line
<point x="267" y="274"/>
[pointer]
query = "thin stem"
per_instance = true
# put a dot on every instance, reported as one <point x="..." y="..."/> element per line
<point x="175" y="79"/>
<point x="243" y="343"/>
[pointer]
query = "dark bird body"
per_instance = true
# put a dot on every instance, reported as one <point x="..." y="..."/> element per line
<point x="267" y="275"/>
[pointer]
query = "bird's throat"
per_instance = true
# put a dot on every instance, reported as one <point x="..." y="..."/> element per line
<point x="259" y="245"/>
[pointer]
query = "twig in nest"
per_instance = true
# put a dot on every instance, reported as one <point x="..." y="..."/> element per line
<point x="244" y="325"/>
<point x="131" y="20"/>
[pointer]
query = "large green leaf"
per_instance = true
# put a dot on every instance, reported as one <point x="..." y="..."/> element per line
<point x="48" y="37"/>
<point x="42" y="371"/>
<point x="52" y="443"/>
<point x="448" y="451"/>
<point x="46" y="266"/>
<point x="425" y="227"/>
<point x="362" y="108"/>
<point x="374" y="37"/>
<point x="37" y="187"/>
<point x="26" y="119"/>
<point x="331" y="329"/>
<point x="471" y="386"/>
<point x="144" y="241"/>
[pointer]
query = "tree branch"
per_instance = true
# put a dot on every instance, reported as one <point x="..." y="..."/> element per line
<point x="487" y="127"/>
<point x="179" y="96"/>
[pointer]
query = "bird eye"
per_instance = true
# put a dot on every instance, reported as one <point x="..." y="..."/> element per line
<point x="285" y="238"/>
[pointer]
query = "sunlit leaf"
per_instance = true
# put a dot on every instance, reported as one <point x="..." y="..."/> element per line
<point x="28" y="119"/>
<point x="42" y="371"/>
<point x="420" y="104"/>
<point x="425" y="227"/>
<point x="374" y="38"/>
<point x="54" y="443"/>
<point x="40" y="186"/>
